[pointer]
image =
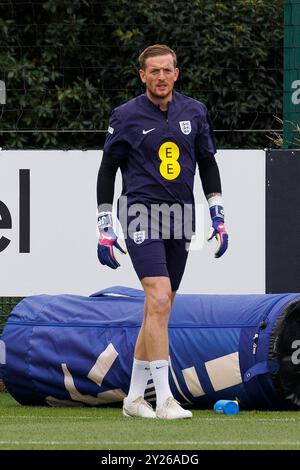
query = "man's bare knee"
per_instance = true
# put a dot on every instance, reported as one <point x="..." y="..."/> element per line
<point x="158" y="297"/>
<point x="159" y="304"/>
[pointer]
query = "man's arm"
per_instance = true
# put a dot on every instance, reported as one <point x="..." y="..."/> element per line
<point x="115" y="151"/>
<point x="106" y="182"/>
<point x="211" y="183"/>
<point x="105" y="195"/>
<point x="210" y="176"/>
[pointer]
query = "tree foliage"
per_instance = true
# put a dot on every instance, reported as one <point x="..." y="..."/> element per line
<point x="66" y="64"/>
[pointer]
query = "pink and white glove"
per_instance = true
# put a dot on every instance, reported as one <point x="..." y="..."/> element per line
<point x="218" y="230"/>
<point x="108" y="240"/>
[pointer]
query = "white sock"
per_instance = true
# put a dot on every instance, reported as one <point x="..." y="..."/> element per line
<point x="139" y="378"/>
<point x="160" y="374"/>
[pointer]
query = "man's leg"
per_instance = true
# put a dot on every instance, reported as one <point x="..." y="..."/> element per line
<point x="134" y="403"/>
<point x="156" y="316"/>
<point x="140" y="352"/>
<point x="141" y="368"/>
<point x="157" y="312"/>
<point x="140" y="374"/>
<point x="158" y="303"/>
<point x="155" y="325"/>
<point x="149" y="261"/>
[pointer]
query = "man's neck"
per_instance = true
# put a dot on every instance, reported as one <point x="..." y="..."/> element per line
<point x="162" y="102"/>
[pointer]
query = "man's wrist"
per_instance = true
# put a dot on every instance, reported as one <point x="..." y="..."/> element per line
<point x="216" y="212"/>
<point x="104" y="220"/>
<point x="215" y="204"/>
<point x="215" y="200"/>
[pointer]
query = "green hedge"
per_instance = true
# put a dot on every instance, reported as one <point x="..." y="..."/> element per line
<point x="6" y="305"/>
<point x="67" y="63"/>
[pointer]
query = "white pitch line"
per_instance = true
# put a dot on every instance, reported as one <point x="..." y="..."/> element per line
<point x="157" y="443"/>
<point x="57" y="417"/>
<point x="110" y="418"/>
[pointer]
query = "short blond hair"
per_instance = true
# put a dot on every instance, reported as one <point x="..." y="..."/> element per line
<point x="156" y="50"/>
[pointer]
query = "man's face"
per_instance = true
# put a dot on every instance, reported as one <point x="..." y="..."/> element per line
<point x="159" y="76"/>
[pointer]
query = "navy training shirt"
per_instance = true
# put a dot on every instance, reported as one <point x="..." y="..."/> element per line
<point x="158" y="149"/>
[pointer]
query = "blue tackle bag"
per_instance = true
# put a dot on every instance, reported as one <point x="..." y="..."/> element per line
<point x="65" y="350"/>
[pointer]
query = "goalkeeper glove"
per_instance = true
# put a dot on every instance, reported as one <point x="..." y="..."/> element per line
<point x="218" y="229"/>
<point x="107" y="241"/>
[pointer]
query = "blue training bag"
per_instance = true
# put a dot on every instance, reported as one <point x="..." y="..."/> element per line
<point x="68" y="349"/>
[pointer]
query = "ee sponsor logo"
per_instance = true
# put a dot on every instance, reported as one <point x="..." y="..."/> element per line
<point x="169" y="153"/>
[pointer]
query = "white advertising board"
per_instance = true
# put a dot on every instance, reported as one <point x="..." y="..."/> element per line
<point x="48" y="226"/>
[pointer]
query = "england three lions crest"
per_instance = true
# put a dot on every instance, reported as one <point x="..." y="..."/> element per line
<point x="185" y="127"/>
<point x="139" y="237"/>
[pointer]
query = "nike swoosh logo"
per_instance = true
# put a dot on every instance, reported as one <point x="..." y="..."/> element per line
<point x="160" y="367"/>
<point x="149" y="130"/>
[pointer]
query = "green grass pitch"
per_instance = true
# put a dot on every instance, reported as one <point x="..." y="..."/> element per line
<point x="24" y="427"/>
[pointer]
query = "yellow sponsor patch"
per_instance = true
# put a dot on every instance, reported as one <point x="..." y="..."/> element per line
<point x="169" y="153"/>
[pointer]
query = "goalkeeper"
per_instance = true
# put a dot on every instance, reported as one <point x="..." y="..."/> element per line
<point x="157" y="139"/>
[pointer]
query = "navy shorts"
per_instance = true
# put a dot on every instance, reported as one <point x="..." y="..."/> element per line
<point x="159" y="257"/>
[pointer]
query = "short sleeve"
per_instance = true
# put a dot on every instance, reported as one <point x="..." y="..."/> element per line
<point x="205" y="142"/>
<point x="115" y="143"/>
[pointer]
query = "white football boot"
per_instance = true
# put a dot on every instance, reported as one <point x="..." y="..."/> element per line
<point x="171" y="409"/>
<point x="138" y="408"/>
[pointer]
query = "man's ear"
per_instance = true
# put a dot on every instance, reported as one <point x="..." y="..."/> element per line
<point x="176" y="74"/>
<point x="142" y="75"/>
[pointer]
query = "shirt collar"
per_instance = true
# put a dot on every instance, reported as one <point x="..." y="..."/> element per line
<point x="157" y="105"/>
